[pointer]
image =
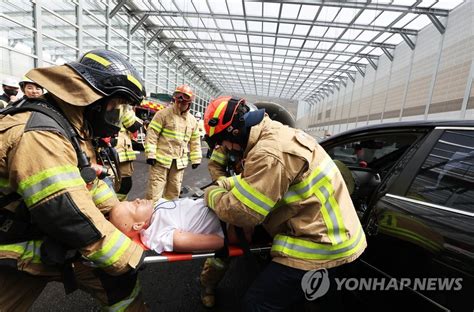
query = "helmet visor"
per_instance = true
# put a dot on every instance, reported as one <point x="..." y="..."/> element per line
<point x="182" y="97"/>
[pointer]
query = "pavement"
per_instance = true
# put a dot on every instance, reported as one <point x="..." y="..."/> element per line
<point x="165" y="286"/>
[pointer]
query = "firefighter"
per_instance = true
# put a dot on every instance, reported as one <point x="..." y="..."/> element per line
<point x="10" y="91"/>
<point x="291" y="186"/>
<point x="171" y="135"/>
<point x="129" y="124"/>
<point x="51" y="208"/>
<point x="218" y="163"/>
<point x="30" y="89"/>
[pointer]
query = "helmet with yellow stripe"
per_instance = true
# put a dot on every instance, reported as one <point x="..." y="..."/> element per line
<point x="229" y="118"/>
<point x="220" y="114"/>
<point x="111" y="74"/>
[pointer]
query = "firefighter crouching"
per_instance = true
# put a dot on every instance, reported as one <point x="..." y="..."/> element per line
<point x="52" y="225"/>
<point x="169" y="134"/>
<point x="293" y="188"/>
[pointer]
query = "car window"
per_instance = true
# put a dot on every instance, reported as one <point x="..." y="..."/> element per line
<point x="447" y="176"/>
<point x="363" y="152"/>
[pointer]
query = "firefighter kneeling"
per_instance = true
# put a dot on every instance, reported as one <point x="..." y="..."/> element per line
<point x="292" y="187"/>
<point x="52" y="224"/>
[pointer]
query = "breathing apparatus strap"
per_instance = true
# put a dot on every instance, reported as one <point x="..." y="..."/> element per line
<point x="53" y="112"/>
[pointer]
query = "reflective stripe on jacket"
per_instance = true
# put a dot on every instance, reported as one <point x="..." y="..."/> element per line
<point x="172" y="135"/>
<point x="124" y="145"/>
<point x="218" y="162"/>
<point x="42" y="167"/>
<point x="292" y="186"/>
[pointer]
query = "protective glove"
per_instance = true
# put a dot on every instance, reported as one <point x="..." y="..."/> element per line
<point x="226" y="182"/>
<point x="194" y="166"/>
<point x="151" y="161"/>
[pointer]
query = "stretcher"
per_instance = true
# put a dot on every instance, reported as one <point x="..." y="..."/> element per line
<point x="234" y="251"/>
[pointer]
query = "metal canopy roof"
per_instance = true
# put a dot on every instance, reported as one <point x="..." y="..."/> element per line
<point x="293" y="49"/>
<point x="296" y="49"/>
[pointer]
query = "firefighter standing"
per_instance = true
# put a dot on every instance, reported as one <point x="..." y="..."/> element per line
<point x="171" y="135"/>
<point x="48" y="213"/>
<point x="291" y="186"/>
<point x="129" y="124"/>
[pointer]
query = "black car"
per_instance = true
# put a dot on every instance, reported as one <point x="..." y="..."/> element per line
<point x="414" y="192"/>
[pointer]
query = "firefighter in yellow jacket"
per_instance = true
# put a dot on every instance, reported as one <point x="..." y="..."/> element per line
<point x="129" y="124"/>
<point x="48" y="213"/>
<point x="218" y="163"/>
<point x="293" y="188"/>
<point x="172" y="135"/>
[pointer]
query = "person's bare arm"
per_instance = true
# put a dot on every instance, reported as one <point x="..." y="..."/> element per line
<point x="187" y="242"/>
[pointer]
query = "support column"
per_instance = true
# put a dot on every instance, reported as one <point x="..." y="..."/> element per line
<point x="405" y="92"/>
<point x="386" y="92"/>
<point x="38" y="23"/>
<point x="108" y="31"/>
<point x="80" y="27"/>
<point x="129" y="36"/>
<point x="435" y="74"/>
<point x="467" y="92"/>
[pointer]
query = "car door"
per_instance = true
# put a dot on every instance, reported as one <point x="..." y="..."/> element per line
<point x="368" y="156"/>
<point x="421" y="227"/>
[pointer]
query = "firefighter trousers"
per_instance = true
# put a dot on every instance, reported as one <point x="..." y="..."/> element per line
<point x="19" y="290"/>
<point x="164" y="182"/>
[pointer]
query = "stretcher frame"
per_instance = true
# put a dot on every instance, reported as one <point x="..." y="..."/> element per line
<point x="234" y="251"/>
<point x="175" y="256"/>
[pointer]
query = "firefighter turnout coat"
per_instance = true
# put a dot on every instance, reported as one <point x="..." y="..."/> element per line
<point x="218" y="163"/>
<point x="40" y="164"/>
<point x="130" y="123"/>
<point x="291" y="185"/>
<point x="171" y="136"/>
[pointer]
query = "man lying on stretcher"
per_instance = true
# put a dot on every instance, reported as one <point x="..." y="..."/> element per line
<point x="181" y="225"/>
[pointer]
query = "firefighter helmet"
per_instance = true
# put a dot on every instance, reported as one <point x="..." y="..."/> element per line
<point x="220" y="114"/>
<point x="110" y="74"/>
<point x="10" y="82"/>
<point x="185" y="90"/>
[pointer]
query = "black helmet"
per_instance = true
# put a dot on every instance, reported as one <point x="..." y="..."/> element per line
<point x="110" y="73"/>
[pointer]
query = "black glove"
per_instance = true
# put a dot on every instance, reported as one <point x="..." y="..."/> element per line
<point x="151" y="161"/>
<point x="194" y="166"/>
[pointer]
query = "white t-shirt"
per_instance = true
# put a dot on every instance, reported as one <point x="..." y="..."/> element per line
<point x="183" y="214"/>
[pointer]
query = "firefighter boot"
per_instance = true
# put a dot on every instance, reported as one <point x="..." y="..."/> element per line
<point x="212" y="272"/>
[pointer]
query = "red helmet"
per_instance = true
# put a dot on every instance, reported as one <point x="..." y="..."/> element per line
<point x="186" y="91"/>
<point x="220" y="114"/>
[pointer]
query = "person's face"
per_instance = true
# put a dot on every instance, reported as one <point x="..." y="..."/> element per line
<point x="183" y="101"/>
<point x="132" y="216"/>
<point x="32" y="90"/>
<point x="231" y="146"/>
<point x="140" y="210"/>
